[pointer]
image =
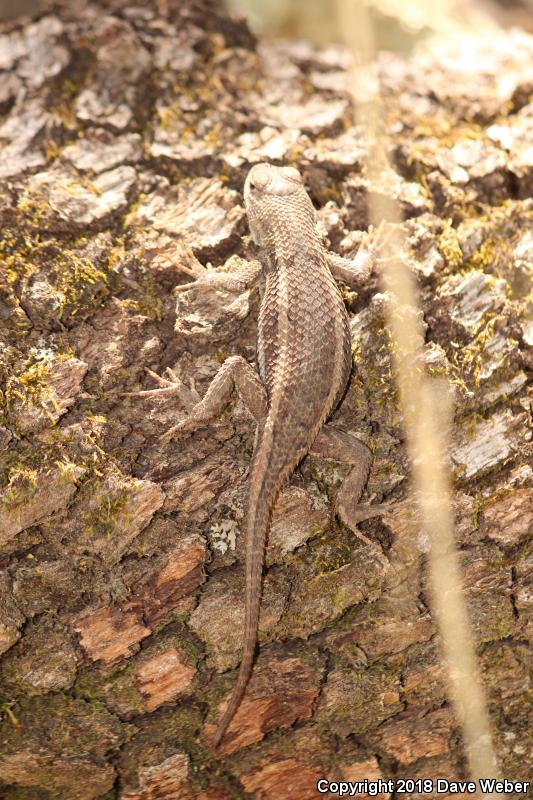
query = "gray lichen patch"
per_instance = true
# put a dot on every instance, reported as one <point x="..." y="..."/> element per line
<point x="99" y="151"/>
<point x="315" y="116"/>
<point x="120" y="61"/>
<point x="36" y="53"/>
<point x="82" y="203"/>
<point x="482" y="444"/>
<point x="202" y="212"/>
<point x="472" y="298"/>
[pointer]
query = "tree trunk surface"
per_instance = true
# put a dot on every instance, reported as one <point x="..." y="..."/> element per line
<point x="126" y="133"/>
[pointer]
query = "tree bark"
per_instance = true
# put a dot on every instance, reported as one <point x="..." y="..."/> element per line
<point x="126" y="134"/>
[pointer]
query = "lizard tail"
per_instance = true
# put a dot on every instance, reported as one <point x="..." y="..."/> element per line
<point x="257" y="527"/>
<point x="275" y="457"/>
<point x="273" y="462"/>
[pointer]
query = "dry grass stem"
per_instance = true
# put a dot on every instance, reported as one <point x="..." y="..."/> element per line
<point x="426" y="408"/>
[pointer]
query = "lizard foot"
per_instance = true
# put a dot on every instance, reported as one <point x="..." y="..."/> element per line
<point x="235" y="373"/>
<point x="171" y="386"/>
<point x="168" y="387"/>
<point x="344" y="446"/>
<point x="353" y="514"/>
<point x="356" y="271"/>
<point x="358" y="513"/>
<point x="378" y="239"/>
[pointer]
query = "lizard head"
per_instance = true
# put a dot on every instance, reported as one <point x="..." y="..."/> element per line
<point x="275" y="199"/>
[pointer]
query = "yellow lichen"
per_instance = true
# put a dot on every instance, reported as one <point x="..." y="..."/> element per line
<point x="149" y="306"/>
<point x="20" y="481"/>
<point x="17" y="253"/>
<point x="30" y="387"/>
<point x="213" y="136"/>
<point x="449" y="245"/>
<point x="103" y="520"/>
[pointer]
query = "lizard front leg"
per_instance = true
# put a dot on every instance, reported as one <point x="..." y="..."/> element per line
<point x="236" y="276"/>
<point x="235" y="373"/>
<point x="341" y="446"/>
<point x="356" y="271"/>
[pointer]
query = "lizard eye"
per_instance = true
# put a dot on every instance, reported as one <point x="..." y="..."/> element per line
<point x="260" y="176"/>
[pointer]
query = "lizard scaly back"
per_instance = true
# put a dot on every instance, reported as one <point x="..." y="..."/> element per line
<point x="304" y="360"/>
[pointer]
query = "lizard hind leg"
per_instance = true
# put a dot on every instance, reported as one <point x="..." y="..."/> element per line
<point x="341" y="446"/>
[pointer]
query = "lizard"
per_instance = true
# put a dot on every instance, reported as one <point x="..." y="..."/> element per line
<point x="304" y="362"/>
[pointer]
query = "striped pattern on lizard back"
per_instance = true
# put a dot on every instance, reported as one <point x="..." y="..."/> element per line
<point x="304" y="359"/>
